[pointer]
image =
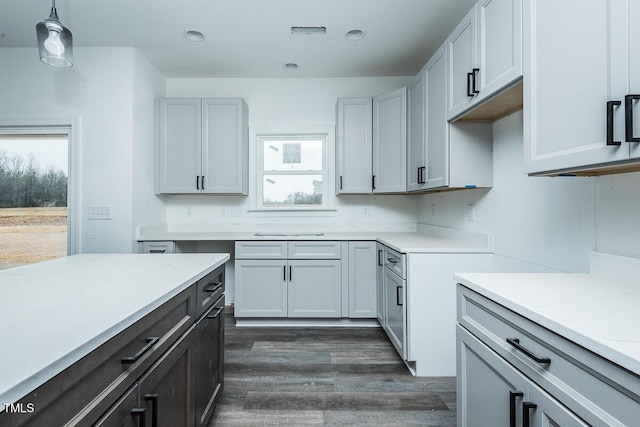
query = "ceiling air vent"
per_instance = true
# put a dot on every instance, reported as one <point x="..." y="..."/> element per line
<point x="308" y="30"/>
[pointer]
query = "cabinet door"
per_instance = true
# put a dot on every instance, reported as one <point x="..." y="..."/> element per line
<point x="570" y="53"/>
<point x="395" y="322"/>
<point x="179" y="148"/>
<point x="167" y="391"/>
<point x="209" y="362"/>
<point x="548" y="411"/>
<point x="362" y="280"/>
<point x="380" y="295"/>
<point x="461" y="51"/>
<point x="499" y="45"/>
<point x="488" y="390"/>
<point x="390" y="142"/>
<point x="225" y="146"/>
<point x="261" y="288"/>
<point x="416" y="145"/>
<point x="124" y="413"/>
<point x="437" y="127"/>
<point x="315" y="288"/>
<point x="354" y="145"/>
<point x="633" y="47"/>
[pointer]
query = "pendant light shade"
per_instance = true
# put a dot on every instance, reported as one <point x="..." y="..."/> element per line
<point x="54" y="41"/>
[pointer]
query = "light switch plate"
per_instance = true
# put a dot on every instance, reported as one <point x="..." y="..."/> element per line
<point x="99" y="212"/>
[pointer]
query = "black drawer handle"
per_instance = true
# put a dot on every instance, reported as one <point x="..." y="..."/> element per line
<point x="398" y="299"/>
<point x="216" y="314"/>
<point x="133" y="359"/>
<point x="157" y="251"/>
<point x="139" y="413"/>
<point x="516" y="343"/>
<point x="513" y="395"/>
<point x="628" y="115"/>
<point x="392" y="261"/>
<point x="214" y="288"/>
<point x="526" y="407"/>
<point x="610" y="137"/>
<point x="154" y="408"/>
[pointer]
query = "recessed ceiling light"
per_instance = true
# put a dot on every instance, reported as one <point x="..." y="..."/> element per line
<point x="308" y="30"/>
<point x="194" y="36"/>
<point x="354" y="35"/>
<point x="291" y="66"/>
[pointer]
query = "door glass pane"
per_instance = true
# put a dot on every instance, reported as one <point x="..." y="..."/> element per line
<point x="33" y="198"/>
<point x="292" y="190"/>
<point x="292" y="155"/>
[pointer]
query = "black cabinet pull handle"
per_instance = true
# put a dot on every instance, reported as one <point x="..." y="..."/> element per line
<point x="516" y="343"/>
<point x="157" y="251"/>
<point x="290" y="273"/>
<point x="513" y="395"/>
<point x="398" y="300"/>
<point x="284" y="273"/>
<point x="392" y="261"/>
<point x="139" y="413"/>
<point x="341" y="182"/>
<point x="423" y="171"/>
<point x="133" y="359"/>
<point x="203" y="182"/>
<point x="469" y="78"/>
<point x="628" y="117"/>
<point x="214" y="288"/>
<point x="216" y="314"/>
<point x="198" y="182"/>
<point x="526" y="407"/>
<point x="154" y="408"/>
<point x="610" y="105"/>
<point x="379" y="257"/>
<point x="373" y="182"/>
<point x="475" y="81"/>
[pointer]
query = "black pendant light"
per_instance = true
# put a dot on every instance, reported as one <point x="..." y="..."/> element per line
<point x="54" y="40"/>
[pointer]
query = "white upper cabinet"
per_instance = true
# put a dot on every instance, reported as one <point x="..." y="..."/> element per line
<point x="484" y="54"/>
<point x="202" y="146"/>
<point x="581" y="64"/>
<point x="416" y="144"/>
<point x="354" y="145"/>
<point x="390" y="142"/>
<point x="461" y="47"/>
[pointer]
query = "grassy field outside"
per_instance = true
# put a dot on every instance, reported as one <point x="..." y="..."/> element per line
<point x="29" y="235"/>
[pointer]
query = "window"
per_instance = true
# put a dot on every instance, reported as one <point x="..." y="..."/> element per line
<point x="292" y="172"/>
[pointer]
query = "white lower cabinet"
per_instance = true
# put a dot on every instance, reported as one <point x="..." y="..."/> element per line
<point x="380" y="300"/>
<point x="304" y="281"/>
<point x="493" y="393"/>
<point x="512" y="371"/>
<point x="362" y="279"/>
<point x="395" y="313"/>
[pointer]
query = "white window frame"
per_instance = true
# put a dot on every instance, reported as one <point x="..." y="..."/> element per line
<point x="327" y="141"/>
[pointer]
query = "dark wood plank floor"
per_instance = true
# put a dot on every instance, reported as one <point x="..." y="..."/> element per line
<point x="325" y="376"/>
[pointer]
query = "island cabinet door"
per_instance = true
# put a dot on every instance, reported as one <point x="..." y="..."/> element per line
<point x="209" y="362"/>
<point x="125" y="413"/>
<point x="167" y="391"/>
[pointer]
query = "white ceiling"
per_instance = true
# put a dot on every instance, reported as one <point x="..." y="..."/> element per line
<point x="251" y="38"/>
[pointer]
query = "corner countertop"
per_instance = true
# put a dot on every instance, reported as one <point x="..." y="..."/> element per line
<point x="599" y="313"/>
<point x="423" y="239"/>
<point x="56" y="312"/>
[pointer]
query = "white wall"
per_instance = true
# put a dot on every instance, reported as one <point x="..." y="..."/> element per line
<point x="97" y="92"/>
<point x="282" y="103"/>
<point x="538" y="224"/>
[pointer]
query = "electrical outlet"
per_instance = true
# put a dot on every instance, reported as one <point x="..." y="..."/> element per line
<point x="231" y="212"/>
<point x="189" y="211"/>
<point x="365" y="211"/>
<point x="433" y="209"/>
<point x="471" y="213"/>
<point x="99" y="212"/>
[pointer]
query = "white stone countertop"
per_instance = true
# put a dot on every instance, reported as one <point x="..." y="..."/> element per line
<point x="426" y="239"/>
<point x="55" y="312"/>
<point x="596" y="312"/>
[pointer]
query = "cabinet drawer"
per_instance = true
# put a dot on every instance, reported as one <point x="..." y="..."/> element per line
<point x="314" y="250"/>
<point x="209" y="289"/>
<point x="261" y="250"/>
<point x="395" y="261"/>
<point x="158" y="247"/>
<point x="597" y="390"/>
<point x="104" y="370"/>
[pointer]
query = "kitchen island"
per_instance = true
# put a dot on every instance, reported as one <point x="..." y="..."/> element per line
<point x="63" y="320"/>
